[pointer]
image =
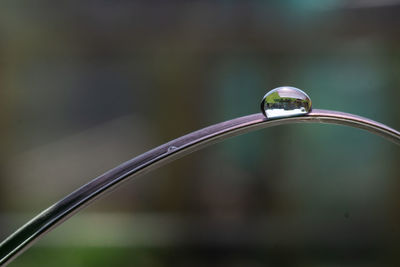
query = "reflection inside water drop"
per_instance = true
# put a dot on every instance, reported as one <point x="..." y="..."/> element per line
<point x="285" y="102"/>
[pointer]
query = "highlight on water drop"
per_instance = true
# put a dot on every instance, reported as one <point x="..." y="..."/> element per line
<point x="285" y="102"/>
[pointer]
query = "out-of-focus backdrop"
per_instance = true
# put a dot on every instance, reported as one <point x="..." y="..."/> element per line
<point x="86" y="85"/>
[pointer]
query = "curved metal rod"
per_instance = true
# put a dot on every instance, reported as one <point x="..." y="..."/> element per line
<point x="63" y="209"/>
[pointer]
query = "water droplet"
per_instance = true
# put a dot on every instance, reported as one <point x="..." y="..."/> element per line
<point x="285" y="102"/>
<point x="172" y="148"/>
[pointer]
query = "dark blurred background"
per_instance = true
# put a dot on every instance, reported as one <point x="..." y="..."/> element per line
<point x="86" y="85"/>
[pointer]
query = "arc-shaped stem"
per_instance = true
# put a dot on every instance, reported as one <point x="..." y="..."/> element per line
<point x="63" y="209"/>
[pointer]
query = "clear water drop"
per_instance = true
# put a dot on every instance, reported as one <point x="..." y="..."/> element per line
<point x="172" y="148"/>
<point x="284" y="102"/>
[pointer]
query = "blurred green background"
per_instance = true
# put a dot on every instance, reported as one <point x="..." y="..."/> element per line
<point x="86" y="85"/>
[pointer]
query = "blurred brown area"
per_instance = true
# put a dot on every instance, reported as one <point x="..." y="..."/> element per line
<point x="86" y="85"/>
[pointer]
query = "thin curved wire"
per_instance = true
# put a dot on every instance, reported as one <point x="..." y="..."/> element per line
<point x="47" y="220"/>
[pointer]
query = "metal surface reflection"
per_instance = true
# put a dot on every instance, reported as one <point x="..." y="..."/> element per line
<point x="65" y="208"/>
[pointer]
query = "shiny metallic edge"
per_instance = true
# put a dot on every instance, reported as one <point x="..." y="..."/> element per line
<point x="47" y="220"/>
